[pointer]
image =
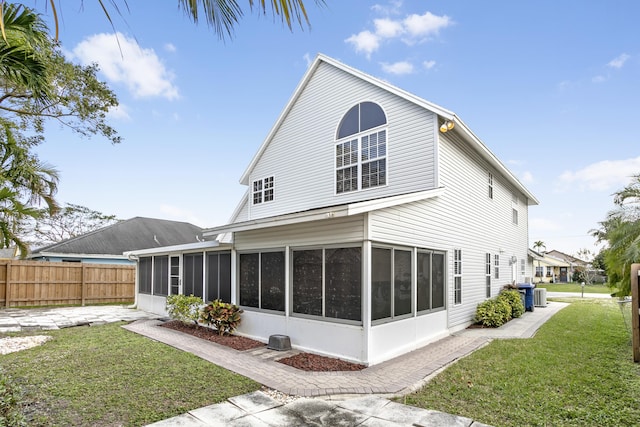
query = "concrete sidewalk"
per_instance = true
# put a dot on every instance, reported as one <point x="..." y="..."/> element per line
<point x="51" y="318"/>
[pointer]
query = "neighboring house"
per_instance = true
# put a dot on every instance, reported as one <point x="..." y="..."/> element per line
<point x="373" y="224"/>
<point x="555" y="266"/>
<point x="106" y="245"/>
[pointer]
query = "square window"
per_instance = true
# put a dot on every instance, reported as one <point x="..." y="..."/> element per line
<point x="263" y="190"/>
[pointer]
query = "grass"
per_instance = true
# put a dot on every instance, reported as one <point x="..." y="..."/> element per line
<point x="578" y="370"/>
<point x="596" y="288"/>
<point x="105" y="376"/>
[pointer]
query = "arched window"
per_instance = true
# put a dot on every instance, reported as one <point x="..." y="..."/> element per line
<point x="361" y="148"/>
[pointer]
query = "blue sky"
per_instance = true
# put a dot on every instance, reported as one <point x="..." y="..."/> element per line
<point x="552" y="88"/>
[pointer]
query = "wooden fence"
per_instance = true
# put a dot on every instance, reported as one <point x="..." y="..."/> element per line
<point x="33" y="283"/>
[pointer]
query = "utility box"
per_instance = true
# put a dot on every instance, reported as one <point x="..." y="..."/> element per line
<point x="528" y="295"/>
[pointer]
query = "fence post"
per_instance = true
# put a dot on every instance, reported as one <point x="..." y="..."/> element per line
<point x="635" y="312"/>
<point x="7" y="297"/>
<point x="83" y="286"/>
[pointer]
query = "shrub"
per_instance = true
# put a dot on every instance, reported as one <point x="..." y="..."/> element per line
<point x="513" y="298"/>
<point x="493" y="312"/>
<point x="10" y="404"/>
<point x="224" y="317"/>
<point x="184" y="308"/>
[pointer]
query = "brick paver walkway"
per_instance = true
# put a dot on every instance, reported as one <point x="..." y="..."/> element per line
<point x="395" y="376"/>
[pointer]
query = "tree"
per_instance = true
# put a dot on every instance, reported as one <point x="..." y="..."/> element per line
<point x="70" y="221"/>
<point x="24" y="181"/>
<point x="37" y="84"/>
<point x="223" y="15"/>
<point x="48" y="87"/>
<point x="621" y="230"/>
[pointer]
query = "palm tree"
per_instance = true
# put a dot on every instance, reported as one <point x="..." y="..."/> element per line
<point x="222" y="15"/>
<point x="23" y="51"/>
<point x="538" y="245"/>
<point x="24" y="181"/>
<point x="621" y="230"/>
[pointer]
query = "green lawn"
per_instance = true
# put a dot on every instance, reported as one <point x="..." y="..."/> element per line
<point x="108" y="376"/>
<point x="578" y="370"/>
<point x="597" y="288"/>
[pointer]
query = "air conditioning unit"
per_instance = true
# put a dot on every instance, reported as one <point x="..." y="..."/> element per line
<point x="540" y="297"/>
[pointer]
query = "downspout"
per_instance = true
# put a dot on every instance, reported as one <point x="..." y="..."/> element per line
<point x="134" y="258"/>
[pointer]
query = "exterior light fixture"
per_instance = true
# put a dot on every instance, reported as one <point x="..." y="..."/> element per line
<point x="447" y="126"/>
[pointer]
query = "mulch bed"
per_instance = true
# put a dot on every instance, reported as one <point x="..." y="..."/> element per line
<point x="316" y="363"/>
<point x="302" y="361"/>
<point x="234" y="341"/>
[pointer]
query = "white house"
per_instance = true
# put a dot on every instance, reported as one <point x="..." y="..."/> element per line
<point x="373" y="224"/>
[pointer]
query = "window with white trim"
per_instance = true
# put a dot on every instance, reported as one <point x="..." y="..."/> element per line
<point x="263" y="190"/>
<point x="261" y="279"/>
<point x="523" y="267"/>
<point x="496" y="266"/>
<point x="457" y="276"/>
<point x="514" y="216"/>
<point x="327" y="282"/>
<point x="361" y="149"/>
<point x="487" y="272"/>
<point x="430" y="281"/>
<point x="391" y="278"/>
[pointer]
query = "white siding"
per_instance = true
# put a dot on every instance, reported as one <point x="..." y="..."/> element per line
<point x="329" y="231"/>
<point x="465" y="218"/>
<point x="301" y="155"/>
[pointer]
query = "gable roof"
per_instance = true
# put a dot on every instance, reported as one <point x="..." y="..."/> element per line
<point x="128" y="235"/>
<point x="443" y="113"/>
<point x="565" y="257"/>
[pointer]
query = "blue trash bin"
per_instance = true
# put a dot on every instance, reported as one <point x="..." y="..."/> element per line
<point x="528" y="295"/>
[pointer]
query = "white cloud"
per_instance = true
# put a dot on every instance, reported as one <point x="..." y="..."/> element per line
<point x="365" y="41"/>
<point x="393" y="8"/>
<point x="410" y="29"/>
<point x="526" y="177"/>
<point x="399" y="68"/>
<point x="170" y="47"/>
<point x="599" y="79"/>
<point x="388" y="28"/>
<point x="119" y="112"/>
<point x="122" y="60"/>
<point x="429" y="64"/>
<point x="425" y="25"/>
<point x="619" y="61"/>
<point x="606" y="175"/>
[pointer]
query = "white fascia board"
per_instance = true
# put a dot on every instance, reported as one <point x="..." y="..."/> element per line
<point x="175" y="248"/>
<point x="324" y="213"/>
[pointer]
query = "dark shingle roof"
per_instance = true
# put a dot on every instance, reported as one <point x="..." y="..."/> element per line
<point x="131" y="234"/>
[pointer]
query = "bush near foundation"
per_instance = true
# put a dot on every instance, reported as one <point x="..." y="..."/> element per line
<point x="493" y="313"/>
<point x="224" y="317"/>
<point x="514" y="300"/>
<point x="497" y="311"/>
<point x="184" y="308"/>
